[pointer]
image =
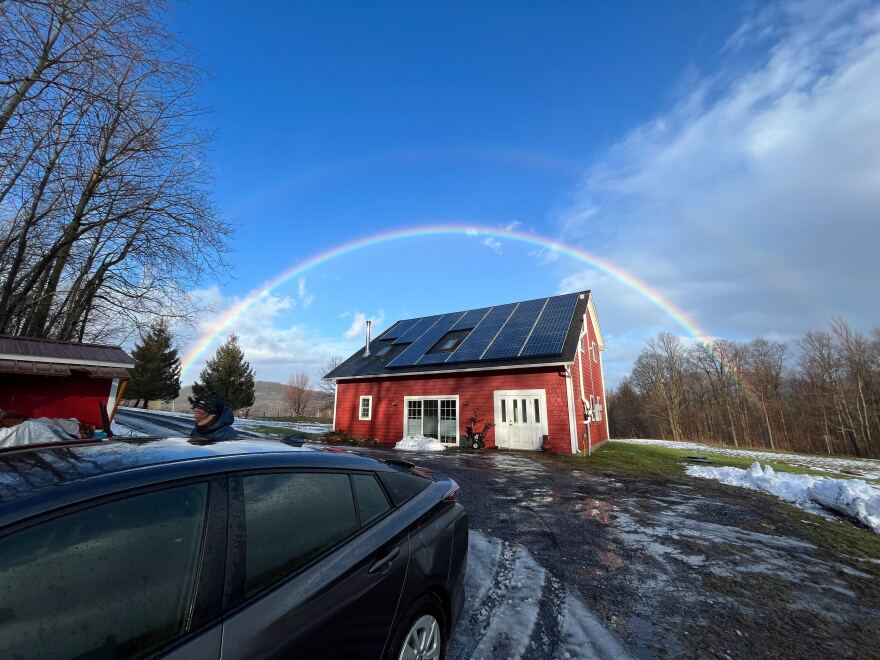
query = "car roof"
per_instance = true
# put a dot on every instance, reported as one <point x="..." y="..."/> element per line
<point x="46" y="476"/>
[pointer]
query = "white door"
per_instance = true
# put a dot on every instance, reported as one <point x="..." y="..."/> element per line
<point x="520" y="419"/>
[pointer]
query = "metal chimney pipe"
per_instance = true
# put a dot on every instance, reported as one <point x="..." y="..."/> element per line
<point x="367" y="347"/>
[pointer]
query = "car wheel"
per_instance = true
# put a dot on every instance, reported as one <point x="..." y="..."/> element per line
<point x="420" y="635"/>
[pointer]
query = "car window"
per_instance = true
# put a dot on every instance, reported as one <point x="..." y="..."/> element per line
<point x="291" y="518"/>
<point x="371" y="500"/>
<point x="112" y="581"/>
<point x="403" y="486"/>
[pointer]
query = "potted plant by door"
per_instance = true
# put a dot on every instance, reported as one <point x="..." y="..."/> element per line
<point x="473" y="438"/>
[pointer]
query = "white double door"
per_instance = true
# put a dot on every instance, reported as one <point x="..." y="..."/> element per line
<point x="520" y="418"/>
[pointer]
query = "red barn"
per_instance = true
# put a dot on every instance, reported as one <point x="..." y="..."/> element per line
<point x="46" y="378"/>
<point x="532" y="368"/>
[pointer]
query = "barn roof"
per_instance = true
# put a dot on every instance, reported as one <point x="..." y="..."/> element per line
<point x="521" y="334"/>
<point x="49" y="357"/>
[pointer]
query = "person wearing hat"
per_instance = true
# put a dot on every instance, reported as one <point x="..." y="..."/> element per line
<point x="212" y="416"/>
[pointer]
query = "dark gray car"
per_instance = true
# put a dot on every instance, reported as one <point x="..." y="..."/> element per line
<point x="233" y="549"/>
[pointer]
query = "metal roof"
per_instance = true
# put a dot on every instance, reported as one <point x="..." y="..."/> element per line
<point x="30" y="355"/>
<point x="411" y="340"/>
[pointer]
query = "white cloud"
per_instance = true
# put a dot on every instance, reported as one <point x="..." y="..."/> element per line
<point x="493" y="245"/>
<point x="274" y="352"/>
<point x="754" y="202"/>
<point x="513" y="225"/>
<point x="306" y="298"/>
<point x="471" y="231"/>
<point x="358" y="324"/>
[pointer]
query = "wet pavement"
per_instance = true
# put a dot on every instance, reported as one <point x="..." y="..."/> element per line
<point x="672" y="567"/>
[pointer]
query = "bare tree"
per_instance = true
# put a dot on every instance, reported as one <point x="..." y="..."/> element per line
<point x="297" y="394"/>
<point x="105" y="220"/>
<point x="820" y="394"/>
<point x="328" y="385"/>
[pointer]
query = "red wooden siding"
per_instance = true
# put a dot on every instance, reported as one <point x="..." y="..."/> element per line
<point x="593" y="384"/>
<point x="42" y="396"/>
<point x="474" y="389"/>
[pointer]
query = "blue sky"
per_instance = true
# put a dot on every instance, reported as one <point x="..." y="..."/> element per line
<point x="725" y="153"/>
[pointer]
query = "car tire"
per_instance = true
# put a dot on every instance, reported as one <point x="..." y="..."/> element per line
<point x="421" y="632"/>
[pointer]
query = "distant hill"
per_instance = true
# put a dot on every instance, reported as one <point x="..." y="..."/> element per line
<point x="269" y="402"/>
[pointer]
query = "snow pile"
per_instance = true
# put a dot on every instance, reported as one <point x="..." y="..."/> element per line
<point x="420" y="443"/>
<point x="864" y="467"/>
<point x="852" y="497"/>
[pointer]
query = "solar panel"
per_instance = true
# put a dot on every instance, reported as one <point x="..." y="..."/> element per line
<point x="416" y="329"/>
<point x="431" y="336"/>
<point x="549" y="334"/>
<point x="397" y="329"/>
<point x="509" y="341"/>
<point x="433" y="358"/>
<point x="480" y="337"/>
<point x="470" y="319"/>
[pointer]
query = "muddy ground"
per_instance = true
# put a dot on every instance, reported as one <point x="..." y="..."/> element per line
<point x="677" y="566"/>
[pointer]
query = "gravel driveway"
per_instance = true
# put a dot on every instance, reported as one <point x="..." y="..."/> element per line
<point x="672" y="567"/>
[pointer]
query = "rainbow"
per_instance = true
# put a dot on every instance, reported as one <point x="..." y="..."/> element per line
<point x="224" y="322"/>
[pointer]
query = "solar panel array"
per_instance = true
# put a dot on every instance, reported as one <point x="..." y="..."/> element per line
<point x="398" y="329"/>
<point x="471" y="318"/>
<point x="550" y="332"/>
<point x="509" y="341"/>
<point x="411" y="354"/>
<point x="478" y="340"/>
<point x="533" y="328"/>
<point x="416" y="329"/>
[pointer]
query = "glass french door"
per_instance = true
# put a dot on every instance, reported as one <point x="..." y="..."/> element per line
<point x="432" y="418"/>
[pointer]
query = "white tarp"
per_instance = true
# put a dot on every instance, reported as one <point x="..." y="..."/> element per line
<point x="41" y="429"/>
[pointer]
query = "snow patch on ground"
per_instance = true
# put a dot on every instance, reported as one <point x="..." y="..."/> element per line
<point x="864" y="467"/>
<point x="121" y="430"/>
<point x="852" y="497"/>
<point x="505" y="588"/>
<point x="420" y="443"/>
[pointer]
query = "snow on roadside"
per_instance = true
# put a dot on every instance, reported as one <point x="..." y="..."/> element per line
<point x="852" y="497"/>
<point x="246" y="424"/>
<point x="121" y="430"/>
<point x="865" y="467"/>
<point x="420" y="443"/>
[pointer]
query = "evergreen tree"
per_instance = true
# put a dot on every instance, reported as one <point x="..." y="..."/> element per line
<point x="228" y="374"/>
<point x="156" y="373"/>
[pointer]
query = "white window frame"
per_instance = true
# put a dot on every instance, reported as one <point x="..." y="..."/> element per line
<point x="437" y="398"/>
<point x="369" y="398"/>
<point x="594" y="352"/>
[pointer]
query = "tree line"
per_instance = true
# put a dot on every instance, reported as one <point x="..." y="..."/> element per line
<point x="105" y="215"/>
<point x="820" y="394"/>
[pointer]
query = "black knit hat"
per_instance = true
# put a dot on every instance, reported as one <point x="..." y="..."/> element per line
<point x="211" y="402"/>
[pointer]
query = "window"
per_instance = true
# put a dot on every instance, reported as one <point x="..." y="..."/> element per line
<point x="414" y="418"/>
<point x="365" y="409"/>
<point x="432" y="417"/>
<point x="594" y="351"/>
<point x="290" y="519"/>
<point x="383" y="350"/>
<point x="449" y="342"/>
<point x="371" y="500"/>
<point x="537" y="411"/>
<point x="503" y="410"/>
<point x="113" y="580"/>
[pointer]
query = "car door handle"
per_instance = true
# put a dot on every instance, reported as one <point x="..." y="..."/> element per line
<point x="384" y="562"/>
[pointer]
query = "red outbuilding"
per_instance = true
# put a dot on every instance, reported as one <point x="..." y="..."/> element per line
<point x="46" y="378"/>
<point x="533" y="369"/>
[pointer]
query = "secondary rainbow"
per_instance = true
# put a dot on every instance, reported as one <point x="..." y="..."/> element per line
<point x="226" y="321"/>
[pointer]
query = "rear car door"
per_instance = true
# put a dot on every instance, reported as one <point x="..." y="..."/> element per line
<point x="317" y="563"/>
<point x="122" y="576"/>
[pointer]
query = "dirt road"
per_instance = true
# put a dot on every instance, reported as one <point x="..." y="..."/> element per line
<point x="676" y="567"/>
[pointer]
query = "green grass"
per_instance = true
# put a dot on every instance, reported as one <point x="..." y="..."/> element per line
<point x="658" y="460"/>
